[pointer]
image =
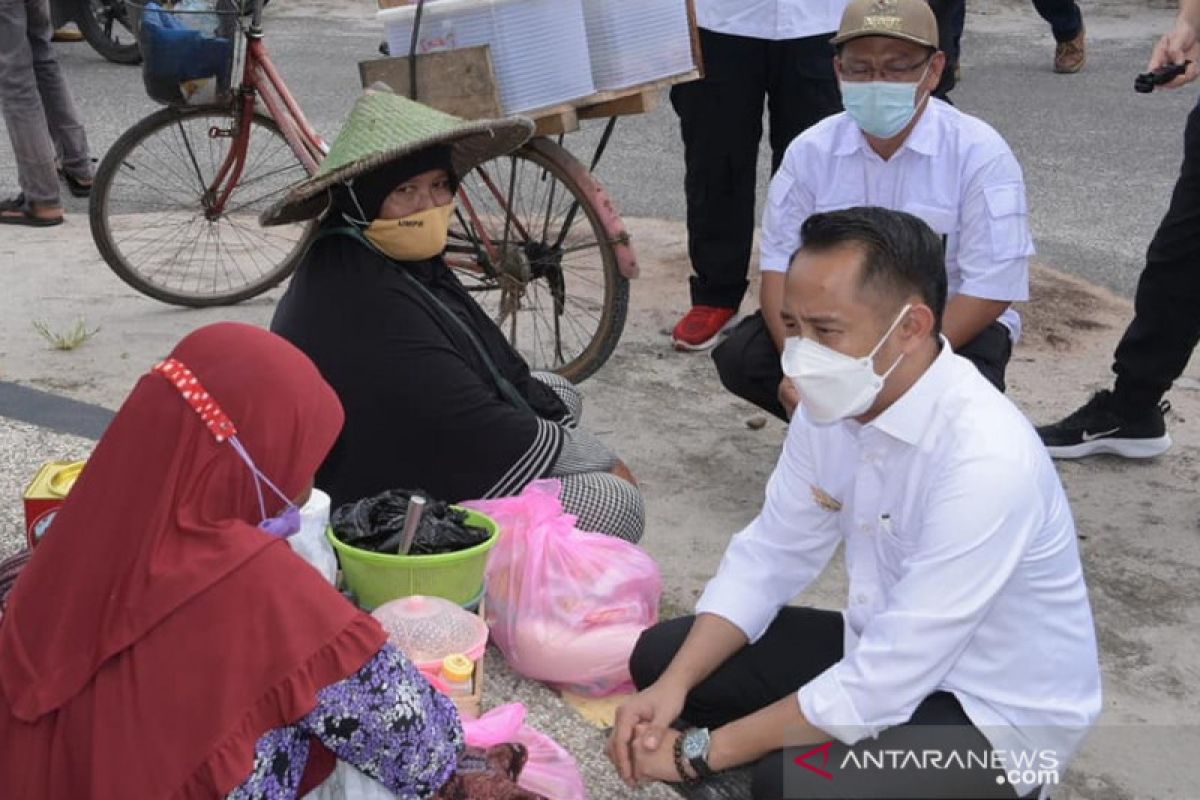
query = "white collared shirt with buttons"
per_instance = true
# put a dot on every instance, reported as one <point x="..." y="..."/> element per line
<point x="770" y="19"/>
<point x="963" y="567"/>
<point x="953" y="171"/>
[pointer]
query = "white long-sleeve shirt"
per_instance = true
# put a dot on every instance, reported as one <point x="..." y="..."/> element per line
<point x="963" y="565"/>
<point x="954" y="171"/>
<point x="770" y="19"/>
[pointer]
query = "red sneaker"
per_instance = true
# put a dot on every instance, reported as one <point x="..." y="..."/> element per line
<point x="700" y="327"/>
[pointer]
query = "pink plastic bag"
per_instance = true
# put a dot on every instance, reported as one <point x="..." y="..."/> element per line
<point x="564" y="606"/>
<point x="550" y="771"/>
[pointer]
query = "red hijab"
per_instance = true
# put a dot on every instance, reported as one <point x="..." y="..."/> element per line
<point x="158" y="632"/>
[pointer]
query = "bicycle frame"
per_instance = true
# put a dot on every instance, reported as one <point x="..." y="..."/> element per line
<point x="260" y="79"/>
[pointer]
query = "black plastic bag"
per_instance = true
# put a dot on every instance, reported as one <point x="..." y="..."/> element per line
<point x="377" y="524"/>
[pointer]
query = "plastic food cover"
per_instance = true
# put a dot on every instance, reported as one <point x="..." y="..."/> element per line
<point x="427" y="629"/>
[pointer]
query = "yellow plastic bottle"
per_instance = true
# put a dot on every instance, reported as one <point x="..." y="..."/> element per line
<point x="457" y="673"/>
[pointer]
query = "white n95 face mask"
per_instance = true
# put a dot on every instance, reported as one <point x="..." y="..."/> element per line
<point x="832" y="385"/>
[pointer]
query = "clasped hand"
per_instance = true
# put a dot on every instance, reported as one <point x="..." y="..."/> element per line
<point x="642" y="744"/>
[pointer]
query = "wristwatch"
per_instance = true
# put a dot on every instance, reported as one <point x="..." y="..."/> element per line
<point x="696" y="742"/>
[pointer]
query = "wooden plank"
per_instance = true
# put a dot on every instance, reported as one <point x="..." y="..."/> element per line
<point x="459" y="82"/>
<point x="694" y="28"/>
<point x="559" y="121"/>
<point x="615" y="102"/>
<point x="640" y="103"/>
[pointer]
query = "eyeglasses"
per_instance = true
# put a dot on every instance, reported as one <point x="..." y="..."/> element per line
<point x="858" y="71"/>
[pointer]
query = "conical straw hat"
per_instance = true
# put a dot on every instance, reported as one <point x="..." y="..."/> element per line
<point x="384" y="127"/>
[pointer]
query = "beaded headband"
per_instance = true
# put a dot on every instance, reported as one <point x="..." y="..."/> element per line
<point x="213" y="416"/>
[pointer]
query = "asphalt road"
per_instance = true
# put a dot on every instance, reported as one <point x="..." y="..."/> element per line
<point x="1099" y="159"/>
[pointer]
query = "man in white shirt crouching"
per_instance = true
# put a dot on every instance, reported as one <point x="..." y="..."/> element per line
<point x="896" y="147"/>
<point x="968" y="638"/>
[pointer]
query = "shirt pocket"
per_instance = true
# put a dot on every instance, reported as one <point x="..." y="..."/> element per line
<point x="1008" y="226"/>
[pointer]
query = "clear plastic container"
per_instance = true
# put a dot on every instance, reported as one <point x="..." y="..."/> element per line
<point x="428" y="629"/>
<point x="631" y="42"/>
<point x="539" y="47"/>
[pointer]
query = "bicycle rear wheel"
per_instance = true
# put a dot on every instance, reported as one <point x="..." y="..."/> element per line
<point x="153" y="216"/>
<point x="530" y="245"/>
<point x="105" y="25"/>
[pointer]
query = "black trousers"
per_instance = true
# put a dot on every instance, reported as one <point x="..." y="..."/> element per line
<point x="748" y="362"/>
<point x="1064" y="16"/>
<point x="951" y="18"/>
<point x="800" y="645"/>
<point x="1159" y="342"/>
<point x="720" y="118"/>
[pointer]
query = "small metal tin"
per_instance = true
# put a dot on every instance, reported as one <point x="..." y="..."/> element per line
<point x="45" y="494"/>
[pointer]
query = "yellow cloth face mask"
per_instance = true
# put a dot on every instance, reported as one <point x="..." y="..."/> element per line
<point x="416" y="237"/>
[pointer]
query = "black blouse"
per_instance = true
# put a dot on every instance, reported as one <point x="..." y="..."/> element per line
<point x="422" y="408"/>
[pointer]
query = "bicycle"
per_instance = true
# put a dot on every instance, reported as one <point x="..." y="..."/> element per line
<point x="175" y="205"/>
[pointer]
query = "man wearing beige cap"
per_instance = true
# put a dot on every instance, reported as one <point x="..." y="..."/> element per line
<point x="897" y="147"/>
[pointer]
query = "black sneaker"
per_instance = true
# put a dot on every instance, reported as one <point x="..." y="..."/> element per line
<point x="1096" y="428"/>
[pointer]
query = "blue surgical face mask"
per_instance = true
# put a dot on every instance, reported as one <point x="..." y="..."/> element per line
<point x="881" y="108"/>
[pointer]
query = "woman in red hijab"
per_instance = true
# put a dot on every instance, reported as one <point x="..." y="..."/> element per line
<point x="164" y="642"/>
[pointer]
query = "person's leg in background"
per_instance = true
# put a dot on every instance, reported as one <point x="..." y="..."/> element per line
<point x="951" y="18"/>
<point x="66" y="129"/>
<point x="1165" y="329"/>
<point x="1160" y="340"/>
<point x="24" y="114"/>
<point x="720" y="119"/>
<point x="1066" y="23"/>
<point x="748" y="365"/>
<point x="802" y="89"/>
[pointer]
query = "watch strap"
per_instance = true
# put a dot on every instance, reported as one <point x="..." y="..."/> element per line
<point x="700" y="766"/>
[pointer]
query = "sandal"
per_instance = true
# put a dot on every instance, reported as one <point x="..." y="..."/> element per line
<point x="17" y="212"/>
<point x="77" y="187"/>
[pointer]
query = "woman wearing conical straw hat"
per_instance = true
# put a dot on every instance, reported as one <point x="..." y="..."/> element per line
<point x="435" y="396"/>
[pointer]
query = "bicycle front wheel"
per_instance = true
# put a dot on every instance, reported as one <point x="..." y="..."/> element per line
<point x="155" y="216"/>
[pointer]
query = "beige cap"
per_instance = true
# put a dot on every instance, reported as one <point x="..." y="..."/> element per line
<point x="910" y="20"/>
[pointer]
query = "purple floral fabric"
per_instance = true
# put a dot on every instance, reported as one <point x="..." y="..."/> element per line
<point x="385" y="719"/>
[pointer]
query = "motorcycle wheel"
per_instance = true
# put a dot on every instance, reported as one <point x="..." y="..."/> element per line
<point x="105" y="26"/>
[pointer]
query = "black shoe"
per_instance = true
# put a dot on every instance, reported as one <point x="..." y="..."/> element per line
<point x="1097" y="428"/>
